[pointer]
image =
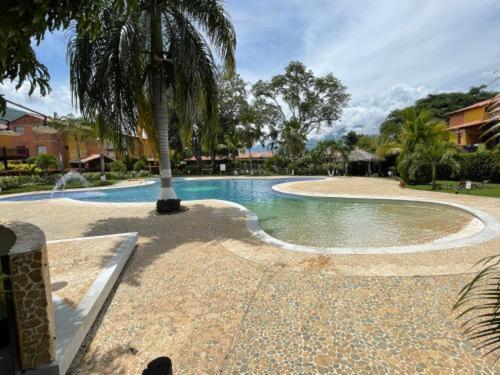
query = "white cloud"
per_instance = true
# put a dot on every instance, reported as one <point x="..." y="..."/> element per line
<point x="367" y="113"/>
<point x="58" y="100"/>
<point x="388" y="53"/>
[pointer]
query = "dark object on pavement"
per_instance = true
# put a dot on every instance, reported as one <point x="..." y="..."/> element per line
<point x="159" y="366"/>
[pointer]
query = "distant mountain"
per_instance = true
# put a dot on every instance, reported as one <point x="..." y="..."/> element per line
<point x="311" y="143"/>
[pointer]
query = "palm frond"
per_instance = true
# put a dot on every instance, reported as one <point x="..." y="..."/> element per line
<point x="479" y="306"/>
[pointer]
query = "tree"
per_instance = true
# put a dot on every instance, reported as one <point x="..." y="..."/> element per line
<point x="391" y="128"/>
<point x="111" y="74"/>
<point x="300" y="97"/>
<point x="351" y="139"/>
<point x="76" y="128"/>
<point x="438" y="104"/>
<point x="368" y="142"/>
<point x="417" y="127"/>
<point x="492" y="132"/>
<point x="24" y="22"/>
<point x="249" y="134"/>
<point x="293" y="142"/>
<point x="433" y="155"/>
<point x="442" y="104"/>
<point x="232" y="101"/>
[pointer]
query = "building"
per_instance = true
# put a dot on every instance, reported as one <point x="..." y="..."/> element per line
<point x="470" y="123"/>
<point x="24" y="135"/>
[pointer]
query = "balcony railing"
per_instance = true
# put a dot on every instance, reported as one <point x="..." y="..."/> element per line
<point x="14" y="153"/>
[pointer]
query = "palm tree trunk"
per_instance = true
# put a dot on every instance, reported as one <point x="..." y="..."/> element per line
<point x="61" y="162"/>
<point x="160" y="106"/>
<point x="433" y="186"/>
<point x="213" y="160"/>
<point x="250" y="157"/>
<point x="78" y="155"/>
<point x="101" y="160"/>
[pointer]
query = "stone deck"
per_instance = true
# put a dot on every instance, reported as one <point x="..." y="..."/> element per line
<point x="201" y="290"/>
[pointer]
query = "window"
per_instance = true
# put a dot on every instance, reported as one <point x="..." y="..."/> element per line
<point x="40" y="149"/>
<point x="20" y="129"/>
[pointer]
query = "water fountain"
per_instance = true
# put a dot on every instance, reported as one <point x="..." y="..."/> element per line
<point x="71" y="175"/>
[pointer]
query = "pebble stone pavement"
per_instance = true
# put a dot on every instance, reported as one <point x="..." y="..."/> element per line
<point x="201" y="290"/>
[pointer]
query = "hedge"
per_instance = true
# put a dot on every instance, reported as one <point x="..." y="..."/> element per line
<point x="12" y="182"/>
<point x="479" y="166"/>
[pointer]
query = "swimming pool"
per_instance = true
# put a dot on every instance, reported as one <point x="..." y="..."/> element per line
<point x="300" y="220"/>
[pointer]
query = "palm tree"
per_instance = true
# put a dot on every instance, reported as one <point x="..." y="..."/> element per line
<point x="293" y="141"/>
<point x="76" y="128"/>
<point x="147" y="59"/>
<point x="249" y="134"/>
<point x="492" y="133"/>
<point x="433" y="155"/>
<point x="418" y="127"/>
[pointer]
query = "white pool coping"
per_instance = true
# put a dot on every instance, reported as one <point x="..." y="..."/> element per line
<point x="482" y="228"/>
<point x="485" y="228"/>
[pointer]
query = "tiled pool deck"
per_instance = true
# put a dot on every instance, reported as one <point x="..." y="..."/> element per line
<point x="205" y="292"/>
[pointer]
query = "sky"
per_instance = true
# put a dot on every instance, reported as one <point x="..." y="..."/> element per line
<point x="388" y="53"/>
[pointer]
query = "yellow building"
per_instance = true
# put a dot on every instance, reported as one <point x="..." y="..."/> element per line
<point x="470" y="123"/>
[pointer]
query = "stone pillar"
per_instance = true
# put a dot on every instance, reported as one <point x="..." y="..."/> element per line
<point x="30" y="280"/>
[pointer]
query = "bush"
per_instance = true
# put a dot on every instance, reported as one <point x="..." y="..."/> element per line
<point x="13" y="182"/>
<point x="45" y="162"/>
<point x="127" y="175"/>
<point x="118" y="166"/>
<point x="23" y="167"/>
<point x="276" y="165"/>
<point x="140" y="164"/>
<point x="92" y="175"/>
<point x="478" y="166"/>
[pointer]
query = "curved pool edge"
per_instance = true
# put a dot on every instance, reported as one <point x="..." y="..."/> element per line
<point x="145" y="182"/>
<point x="150" y="181"/>
<point x="489" y="231"/>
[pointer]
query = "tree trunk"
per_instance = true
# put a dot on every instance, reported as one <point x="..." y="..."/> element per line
<point x="101" y="160"/>
<point x="433" y="186"/>
<point x="250" y="157"/>
<point x="160" y="106"/>
<point x="78" y="155"/>
<point x="61" y="162"/>
<point x="213" y="160"/>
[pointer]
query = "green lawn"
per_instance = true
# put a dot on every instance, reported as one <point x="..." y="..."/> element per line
<point x="490" y="190"/>
<point x="70" y="185"/>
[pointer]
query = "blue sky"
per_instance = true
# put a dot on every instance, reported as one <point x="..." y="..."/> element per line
<point x="387" y="52"/>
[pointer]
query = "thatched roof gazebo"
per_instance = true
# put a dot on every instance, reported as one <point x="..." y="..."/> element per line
<point x="359" y="155"/>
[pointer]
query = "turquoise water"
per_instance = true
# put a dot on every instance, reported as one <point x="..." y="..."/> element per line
<point x="318" y="222"/>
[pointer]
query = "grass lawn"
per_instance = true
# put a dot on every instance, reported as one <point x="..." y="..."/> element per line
<point x="490" y="190"/>
<point x="69" y="185"/>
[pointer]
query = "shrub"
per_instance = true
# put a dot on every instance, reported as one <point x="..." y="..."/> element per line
<point x="276" y="165"/>
<point x="140" y="164"/>
<point x="118" y="166"/>
<point x="12" y="182"/>
<point x="45" y="162"/>
<point x="144" y="174"/>
<point x="92" y="175"/>
<point x="478" y="166"/>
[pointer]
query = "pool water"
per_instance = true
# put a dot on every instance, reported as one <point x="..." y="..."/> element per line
<point x="308" y="221"/>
